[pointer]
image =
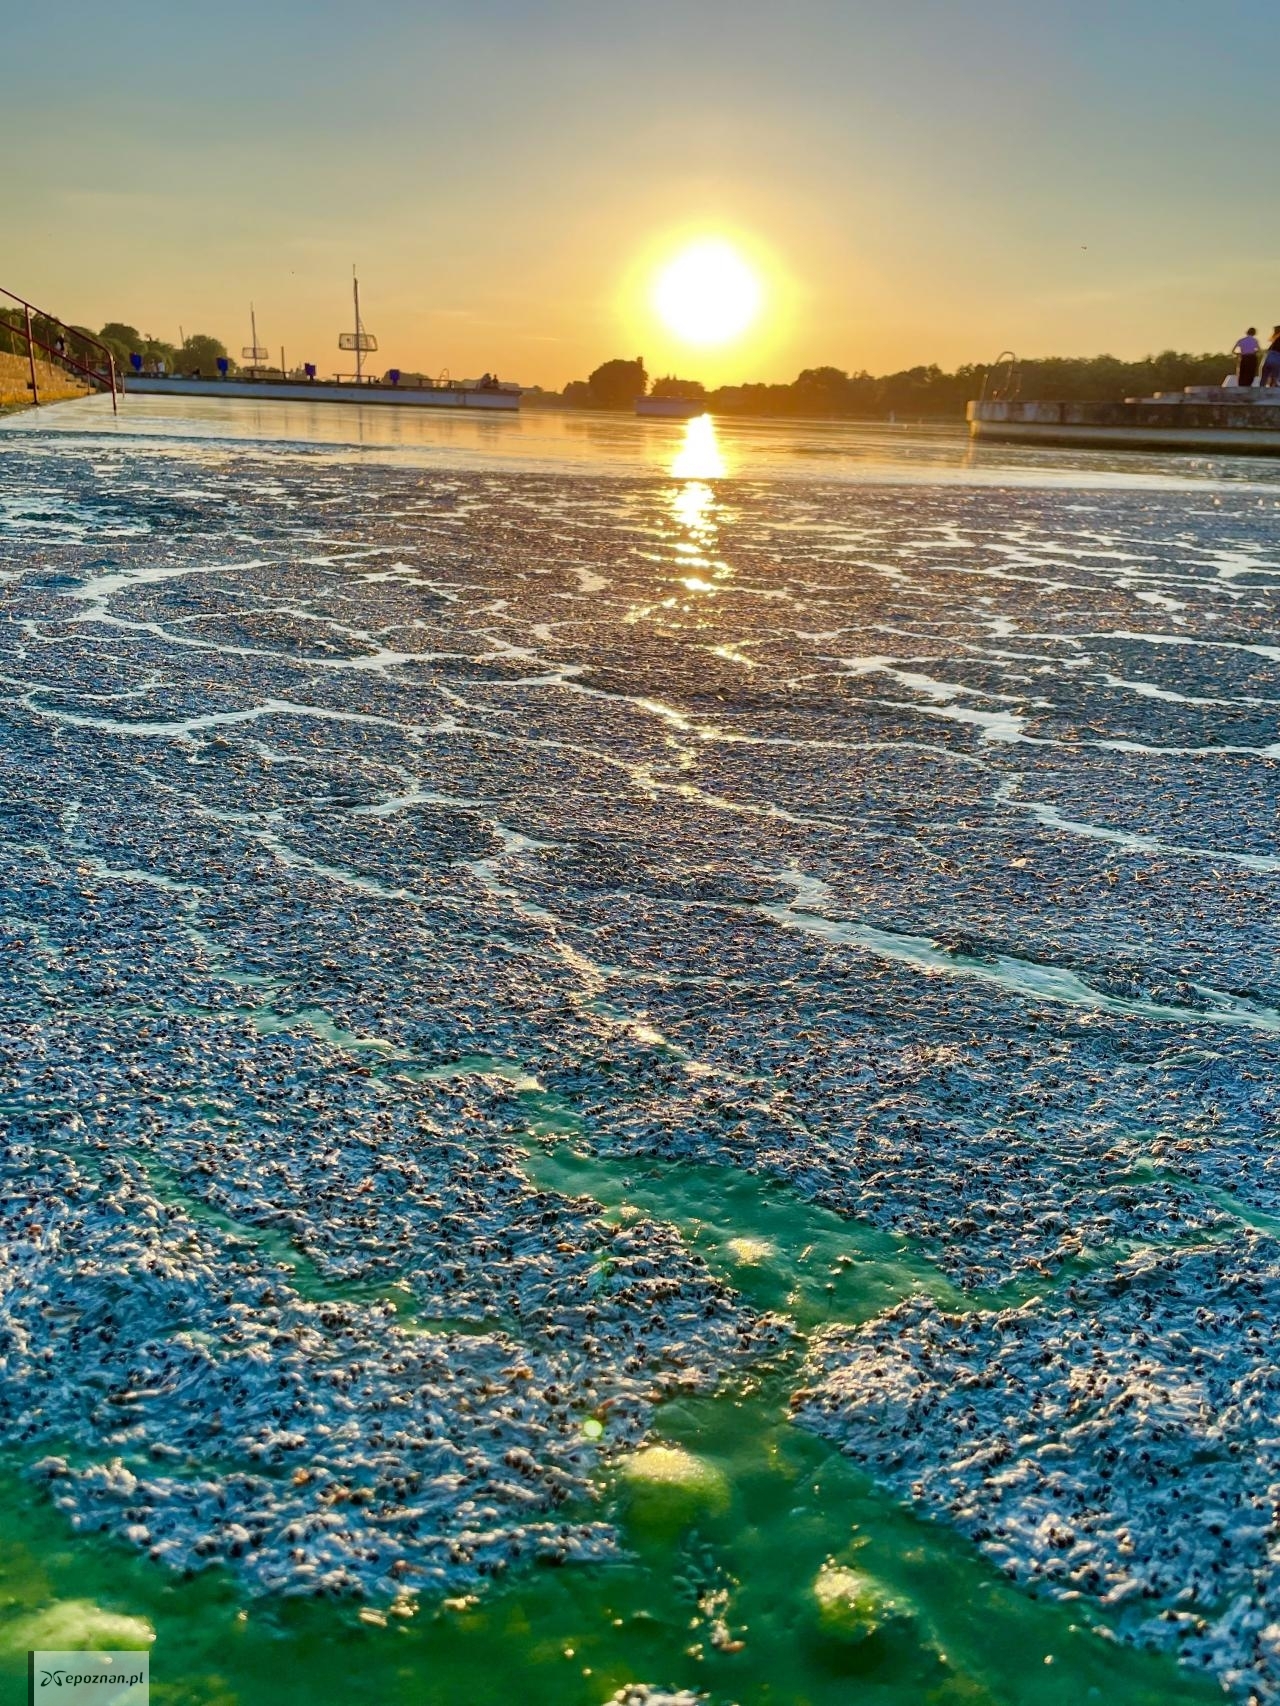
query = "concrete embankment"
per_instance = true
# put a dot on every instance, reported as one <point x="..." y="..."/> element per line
<point x="15" y="382"/>
<point x="1211" y="419"/>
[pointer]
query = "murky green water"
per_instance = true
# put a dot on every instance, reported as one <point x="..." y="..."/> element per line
<point x="763" y="1566"/>
<point x="773" y="1547"/>
<point x="780" y="1252"/>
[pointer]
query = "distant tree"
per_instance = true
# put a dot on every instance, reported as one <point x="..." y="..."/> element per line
<point x="928" y="392"/>
<point x="577" y="393"/>
<point x="616" y="384"/>
<point x="200" y="354"/>
<point x="157" y="350"/>
<point x="823" y="391"/>
<point x="670" y="386"/>
<point x="823" y="378"/>
<point x="13" y="336"/>
<point x="121" y="340"/>
<point x="12" y="332"/>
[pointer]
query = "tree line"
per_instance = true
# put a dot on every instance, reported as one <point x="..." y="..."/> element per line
<point x="198" y="353"/>
<point x="925" y="392"/>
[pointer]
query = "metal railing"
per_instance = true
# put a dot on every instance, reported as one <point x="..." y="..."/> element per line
<point x="58" y="352"/>
<point x="1004" y="387"/>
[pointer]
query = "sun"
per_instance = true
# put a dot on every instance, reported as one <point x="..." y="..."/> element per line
<point x="707" y="294"/>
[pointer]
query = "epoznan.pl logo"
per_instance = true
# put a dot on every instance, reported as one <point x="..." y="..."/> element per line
<point x="90" y="1679"/>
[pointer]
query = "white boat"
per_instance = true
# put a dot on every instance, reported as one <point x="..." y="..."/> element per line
<point x="486" y="393"/>
<point x="456" y="395"/>
<point x="671" y="408"/>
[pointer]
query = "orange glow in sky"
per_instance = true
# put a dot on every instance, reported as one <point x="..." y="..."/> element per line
<point x="734" y="190"/>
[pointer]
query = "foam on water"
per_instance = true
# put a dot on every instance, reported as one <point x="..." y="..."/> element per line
<point x="504" y="1017"/>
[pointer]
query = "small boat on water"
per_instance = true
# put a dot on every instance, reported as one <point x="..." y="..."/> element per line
<point x="672" y="408"/>
<point x="1228" y="420"/>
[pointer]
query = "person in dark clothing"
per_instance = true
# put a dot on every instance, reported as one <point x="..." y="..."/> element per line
<point x="1245" y="350"/>
<point x="1271" y="361"/>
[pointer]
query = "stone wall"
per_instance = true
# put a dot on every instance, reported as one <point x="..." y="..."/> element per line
<point x="1245" y="414"/>
<point x="15" y="381"/>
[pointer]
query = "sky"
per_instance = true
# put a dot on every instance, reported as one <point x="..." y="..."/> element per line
<point x="913" y="180"/>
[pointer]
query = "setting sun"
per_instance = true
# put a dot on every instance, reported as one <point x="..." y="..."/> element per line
<point x="708" y="294"/>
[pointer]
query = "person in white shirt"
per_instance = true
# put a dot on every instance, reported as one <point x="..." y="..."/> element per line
<point x="1245" y="350"/>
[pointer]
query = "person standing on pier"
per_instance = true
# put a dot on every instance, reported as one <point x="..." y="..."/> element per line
<point x="1271" y="363"/>
<point x="1245" y="350"/>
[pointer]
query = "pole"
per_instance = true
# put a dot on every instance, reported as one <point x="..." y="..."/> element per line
<point x="115" y="407"/>
<point x="253" y="328"/>
<point x="282" y="361"/>
<point x="355" y="291"/>
<point x="31" y="361"/>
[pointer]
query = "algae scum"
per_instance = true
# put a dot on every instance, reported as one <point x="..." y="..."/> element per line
<point x="643" y="1089"/>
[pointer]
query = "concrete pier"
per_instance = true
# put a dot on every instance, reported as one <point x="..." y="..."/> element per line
<point x="322" y="391"/>
<point x="1224" y="420"/>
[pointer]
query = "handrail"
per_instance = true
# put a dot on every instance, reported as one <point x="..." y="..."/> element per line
<point x="60" y="356"/>
<point x="1011" y="380"/>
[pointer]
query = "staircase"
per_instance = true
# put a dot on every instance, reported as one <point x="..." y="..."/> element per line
<point x="24" y="328"/>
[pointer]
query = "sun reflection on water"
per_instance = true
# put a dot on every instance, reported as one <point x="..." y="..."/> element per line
<point x="694" y="507"/>
<point x="699" y="456"/>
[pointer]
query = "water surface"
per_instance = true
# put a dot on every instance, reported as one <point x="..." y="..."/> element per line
<point x="532" y="949"/>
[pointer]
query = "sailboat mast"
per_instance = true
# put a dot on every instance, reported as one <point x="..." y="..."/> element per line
<point x="355" y="292"/>
<point x="253" y="324"/>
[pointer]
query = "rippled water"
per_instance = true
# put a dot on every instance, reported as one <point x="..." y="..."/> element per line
<point x="573" y="441"/>
<point x="546" y="965"/>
